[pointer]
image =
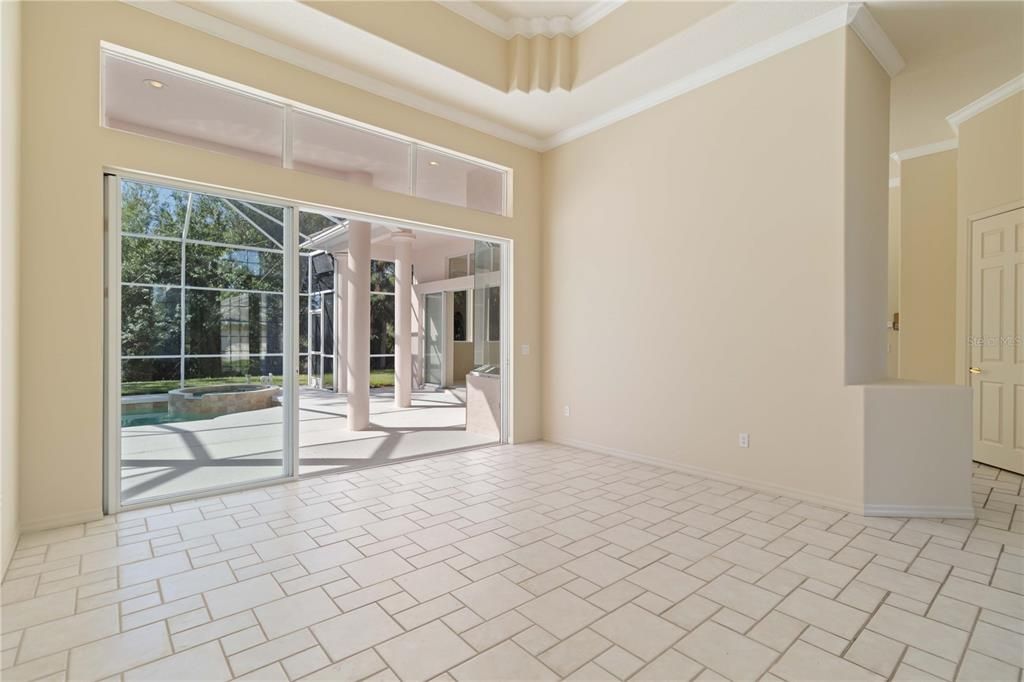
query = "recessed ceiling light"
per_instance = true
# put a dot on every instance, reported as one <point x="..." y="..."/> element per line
<point x="153" y="83"/>
<point x="433" y="163"/>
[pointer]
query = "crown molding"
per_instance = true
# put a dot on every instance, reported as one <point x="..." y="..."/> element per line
<point x="531" y="26"/>
<point x="986" y="101"/>
<point x="479" y="16"/>
<point x="595" y="13"/>
<point x="528" y="27"/>
<point x="925" y="150"/>
<point x="875" y="39"/>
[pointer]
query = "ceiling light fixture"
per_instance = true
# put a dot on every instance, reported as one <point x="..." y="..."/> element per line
<point x="153" y="83"/>
<point x="433" y="163"/>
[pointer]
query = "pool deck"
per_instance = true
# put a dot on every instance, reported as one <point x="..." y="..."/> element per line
<point x="171" y="459"/>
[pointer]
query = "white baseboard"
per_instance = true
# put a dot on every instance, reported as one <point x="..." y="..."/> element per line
<point x="899" y="511"/>
<point x="69" y="519"/>
<point x="763" y="486"/>
<point x="918" y="512"/>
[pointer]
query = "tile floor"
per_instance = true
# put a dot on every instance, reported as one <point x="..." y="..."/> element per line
<point x="528" y="562"/>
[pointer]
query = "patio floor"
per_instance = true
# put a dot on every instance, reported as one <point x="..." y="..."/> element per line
<point x="172" y="459"/>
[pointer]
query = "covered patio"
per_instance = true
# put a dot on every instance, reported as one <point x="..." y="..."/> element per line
<point x="160" y="460"/>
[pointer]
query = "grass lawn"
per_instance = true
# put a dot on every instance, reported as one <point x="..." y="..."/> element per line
<point x="378" y="379"/>
<point x="381" y="378"/>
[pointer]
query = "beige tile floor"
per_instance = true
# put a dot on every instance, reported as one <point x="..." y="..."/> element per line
<point x="527" y="562"/>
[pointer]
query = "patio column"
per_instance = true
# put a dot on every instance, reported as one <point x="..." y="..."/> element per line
<point x="340" y="321"/>
<point x="357" y="341"/>
<point x="403" y="317"/>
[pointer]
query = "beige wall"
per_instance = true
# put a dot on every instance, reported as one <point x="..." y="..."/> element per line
<point x="431" y="30"/>
<point x="63" y="216"/>
<point x="928" y="268"/>
<point x="10" y="105"/>
<point x="865" y="204"/>
<point x="990" y="175"/>
<point x="991" y="159"/>
<point x="732" y="208"/>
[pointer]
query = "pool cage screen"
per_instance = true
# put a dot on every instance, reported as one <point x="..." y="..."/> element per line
<point x="202" y="293"/>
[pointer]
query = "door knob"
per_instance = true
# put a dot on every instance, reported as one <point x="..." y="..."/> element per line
<point x="975" y="370"/>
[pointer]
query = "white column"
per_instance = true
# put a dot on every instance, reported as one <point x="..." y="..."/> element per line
<point x="340" y="321"/>
<point x="357" y="342"/>
<point x="403" y="317"/>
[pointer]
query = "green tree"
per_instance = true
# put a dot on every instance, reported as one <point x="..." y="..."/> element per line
<point x="151" y="316"/>
<point x="382" y="313"/>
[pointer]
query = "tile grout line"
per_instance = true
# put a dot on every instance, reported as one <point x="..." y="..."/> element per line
<point x="636" y="498"/>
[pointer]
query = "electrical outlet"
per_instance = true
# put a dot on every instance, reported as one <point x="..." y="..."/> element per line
<point x="565" y="410"/>
<point x="744" y="440"/>
<point x="526" y="349"/>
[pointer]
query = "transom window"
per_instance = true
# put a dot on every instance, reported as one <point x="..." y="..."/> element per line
<point x="152" y="97"/>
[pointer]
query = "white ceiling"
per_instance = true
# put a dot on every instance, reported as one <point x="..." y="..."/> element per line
<point x="510" y="9"/>
<point x="383" y="238"/>
<point x="926" y="30"/>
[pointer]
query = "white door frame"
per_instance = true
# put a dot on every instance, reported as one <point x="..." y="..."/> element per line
<point x="112" y="328"/>
<point x="112" y="345"/>
<point x="965" y="294"/>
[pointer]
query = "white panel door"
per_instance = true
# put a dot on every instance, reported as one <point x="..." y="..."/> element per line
<point x="997" y="333"/>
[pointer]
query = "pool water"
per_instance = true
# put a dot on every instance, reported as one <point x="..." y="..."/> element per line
<point x="150" y="418"/>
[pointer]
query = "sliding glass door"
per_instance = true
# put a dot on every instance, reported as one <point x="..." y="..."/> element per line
<point x="200" y="314"/>
<point x="225" y="345"/>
